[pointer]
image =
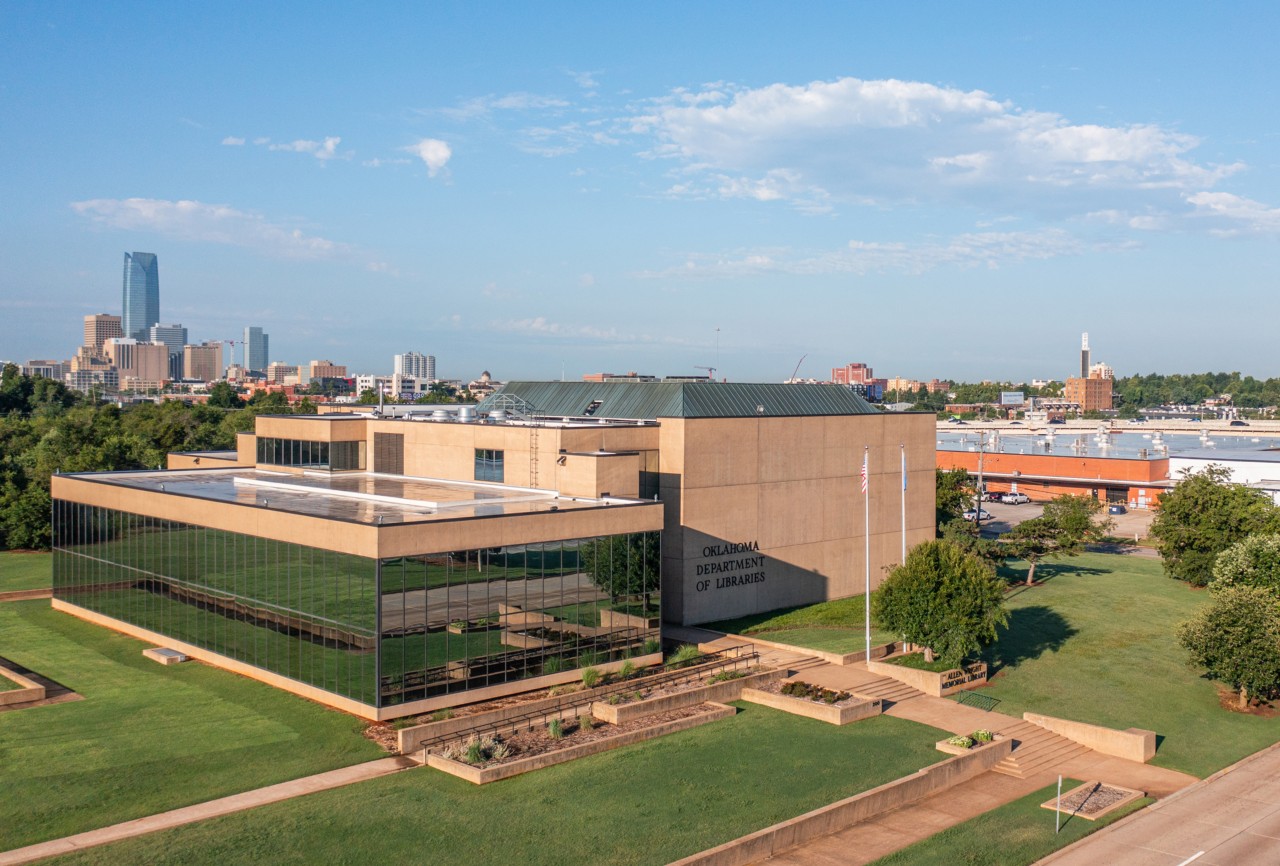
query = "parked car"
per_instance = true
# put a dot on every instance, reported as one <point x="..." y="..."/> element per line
<point x="1015" y="499"/>
<point x="1057" y="421"/>
<point x="979" y="515"/>
<point x="1117" y="509"/>
<point x="991" y="496"/>
<point x="1238" y="423"/>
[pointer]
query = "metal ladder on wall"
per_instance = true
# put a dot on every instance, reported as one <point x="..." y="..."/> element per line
<point x="523" y="410"/>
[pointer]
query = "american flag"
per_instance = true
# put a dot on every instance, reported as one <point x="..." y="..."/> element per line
<point x="864" y="471"/>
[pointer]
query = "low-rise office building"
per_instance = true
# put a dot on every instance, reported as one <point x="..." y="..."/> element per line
<point x="394" y="565"/>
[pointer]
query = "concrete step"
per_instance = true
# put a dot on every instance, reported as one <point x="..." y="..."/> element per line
<point x="887" y="689"/>
<point x="1035" y="749"/>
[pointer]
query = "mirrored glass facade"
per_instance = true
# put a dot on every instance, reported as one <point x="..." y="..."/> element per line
<point x="378" y="632"/>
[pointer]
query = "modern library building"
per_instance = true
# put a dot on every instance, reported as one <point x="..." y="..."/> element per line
<point x="389" y="565"/>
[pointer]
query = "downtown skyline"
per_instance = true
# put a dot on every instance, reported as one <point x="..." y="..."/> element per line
<point x="936" y="191"/>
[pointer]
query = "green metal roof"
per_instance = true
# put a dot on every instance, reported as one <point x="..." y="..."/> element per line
<point x="650" y="400"/>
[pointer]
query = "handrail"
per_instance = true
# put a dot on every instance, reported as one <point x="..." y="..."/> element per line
<point x="717" y="661"/>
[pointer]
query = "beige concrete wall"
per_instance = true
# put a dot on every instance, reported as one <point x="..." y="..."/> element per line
<point x="786" y="835"/>
<point x="1133" y="744"/>
<point x="792" y="487"/>
<point x="594" y="475"/>
<point x="203" y="461"/>
<point x="335" y="429"/>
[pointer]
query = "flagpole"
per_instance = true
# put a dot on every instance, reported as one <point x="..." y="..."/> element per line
<point x="866" y="538"/>
<point x="903" y="446"/>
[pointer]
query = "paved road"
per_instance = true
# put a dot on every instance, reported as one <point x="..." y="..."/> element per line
<point x="1230" y="819"/>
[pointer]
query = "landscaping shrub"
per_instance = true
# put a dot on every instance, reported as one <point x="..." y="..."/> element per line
<point x="555" y="729"/>
<point x="590" y="678"/>
<point x="627" y="670"/>
<point x="725" y="676"/>
<point x="652" y="645"/>
<point x="961" y="741"/>
<point x="586" y="722"/>
<point x="983" y="736"/>
<point x="685" y="655"/>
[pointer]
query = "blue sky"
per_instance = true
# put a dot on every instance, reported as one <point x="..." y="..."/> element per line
<point x="952" y="190"/>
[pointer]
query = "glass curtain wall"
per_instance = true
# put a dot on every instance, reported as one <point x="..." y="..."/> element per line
<point x="300" y="612"/>
<point x="309" y="454"/>
<point x="472" y="618"/>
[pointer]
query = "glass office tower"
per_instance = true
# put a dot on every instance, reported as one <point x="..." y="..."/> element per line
<point x="141" y="304"/>
<point x="256" y="349"/>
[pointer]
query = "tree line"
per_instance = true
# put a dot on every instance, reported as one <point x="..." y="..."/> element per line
<point x="46" y="428"/>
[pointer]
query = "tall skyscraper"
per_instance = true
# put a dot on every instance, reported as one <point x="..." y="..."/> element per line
<point x="98" y="329"/>
<point x="141" y="294"/>
<point x="415" y="364"/>
<point x="256" y="353"/>
<point x="203" y="362"/>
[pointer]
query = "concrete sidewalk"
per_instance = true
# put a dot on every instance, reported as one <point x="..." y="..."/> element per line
<point x="1231" y="818"/>
<point x="211" y="809"/>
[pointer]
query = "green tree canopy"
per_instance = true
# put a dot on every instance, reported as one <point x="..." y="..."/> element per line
<point x="954" y="493"/>
<point x="944" y="599"/>
<point x="1067" y="525"/>
<point x="1236" y="639"/>
<point x="1204" y="515"/>
<point x="1255" y="561"/>
<point x="223" y="396"/>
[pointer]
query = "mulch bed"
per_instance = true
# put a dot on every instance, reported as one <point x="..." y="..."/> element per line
<point x="527" y="744"/>
<point x="1229" y="700"/>
<point x="776" y="688"/>
<point x="1093" y="799"/>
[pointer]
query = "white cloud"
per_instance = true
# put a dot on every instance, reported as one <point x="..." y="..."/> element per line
<point x="969" y="250"/>
<point x="892" y="142"/>
<point x="211" y="223"/>
<point x="482" y="106"/>
<point x="432" y="151"/>
<point x="587" y="280"/>
<point x="233" y="141"/>
<point x="321" y="150"/>
<point x="1234" y="214"/>
<point x="262" y="139"/>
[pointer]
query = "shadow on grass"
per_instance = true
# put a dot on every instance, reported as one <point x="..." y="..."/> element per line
<point x="1045" y="572"/>
<point x="1032" y="631"/>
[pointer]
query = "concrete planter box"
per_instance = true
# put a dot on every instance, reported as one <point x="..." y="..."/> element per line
<point x="933" y="683"/>
<point x="410" y="739"/>
<point x="469" y="628"/>
<point x="829" y="713"/>
<point x="728" y="690"/>
<point x="28" y="690"/>
<point x="944" y="746"/>
<point x="479" y="776"/>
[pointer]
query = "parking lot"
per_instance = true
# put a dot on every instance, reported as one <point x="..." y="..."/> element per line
<point x="1005" y="517"/>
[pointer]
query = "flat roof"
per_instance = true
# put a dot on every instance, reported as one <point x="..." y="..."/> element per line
<point x="366" y="497"/>
<point x="1231" y="455"/>
<point x="1127" y="445"/>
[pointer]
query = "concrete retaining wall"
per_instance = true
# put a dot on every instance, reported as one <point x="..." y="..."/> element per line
<point x="25" y="594"/>
<point x="830" y="819"/>
<point x="1133" y="744"/>
<point x="729" y="690"/>
<point x="877" y="652"/>
<point x="932" y="683"/>
<point x="410" y="739"/>
<point x="829" y="713"/>
<point x="480" y="776"/>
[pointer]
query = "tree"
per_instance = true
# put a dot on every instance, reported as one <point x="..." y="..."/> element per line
<point x="953" y="493"/>
<point x="944" y="599"/>
<point x="1203" y="516"/>
<point x="622" y="565"/>
<point x="1255" y="561"/>
<point x="223" y="396"/>
<point x="1236" y="639"/>
<point x="1067" y="525"/>
<point x="966" y="535"/>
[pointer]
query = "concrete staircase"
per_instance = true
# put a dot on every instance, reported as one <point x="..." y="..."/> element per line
<point x="1034" y="750"/>
<point x="888" y="690"/>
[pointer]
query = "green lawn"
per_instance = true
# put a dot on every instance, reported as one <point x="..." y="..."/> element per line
<point x="1096" y="644"/>
<point x="146" y="738"/>
<point x="25" y="571"/>
<point x="1014" y="834"/>
<point x="643" y="804"/>
<point x="834" y="626"/>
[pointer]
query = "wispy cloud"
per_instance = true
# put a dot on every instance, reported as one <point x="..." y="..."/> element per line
<point x="483" y="106"/>
<point x="321" y="150"/>
<point x="433" y="152"/>
<point x="891" y="142"/>
<point x="233" y="141"/>
<point x="969" y="250"/>
<point x="1233" y="214"/>
<point x="211" y="223"/>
